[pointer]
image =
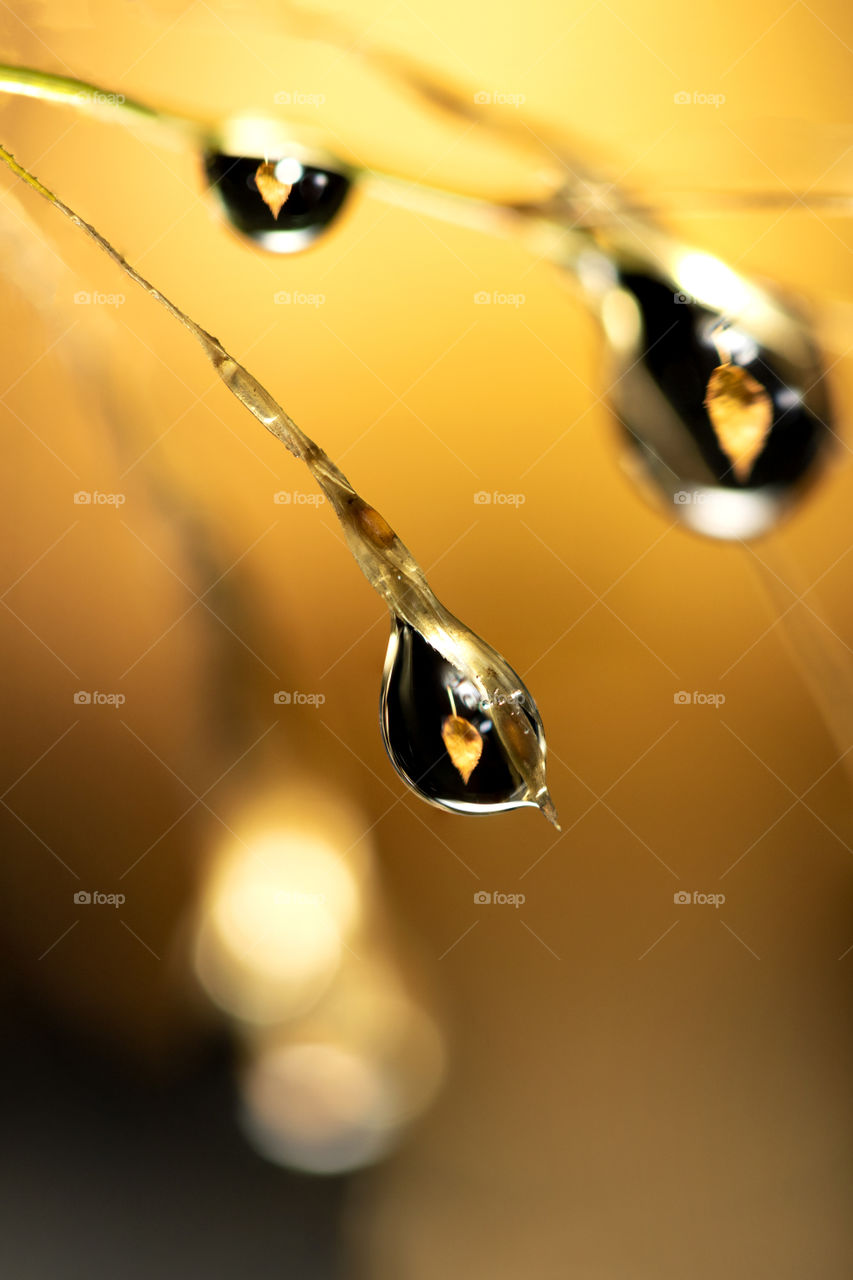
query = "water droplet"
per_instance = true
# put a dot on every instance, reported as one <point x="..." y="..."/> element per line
<point x="312" y="206"/>
<point x="440" y="734"/>
<point x="661" y="396"/>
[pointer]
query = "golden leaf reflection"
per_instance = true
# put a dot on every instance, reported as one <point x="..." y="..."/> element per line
<point x="273" y="192"/>
<point x="464" y="745"/>
<point x="741" y="414"/>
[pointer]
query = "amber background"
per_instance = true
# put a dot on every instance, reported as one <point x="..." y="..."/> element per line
<point x="610" y="1109"/>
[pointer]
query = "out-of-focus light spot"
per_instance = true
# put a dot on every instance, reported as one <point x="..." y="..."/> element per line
<point x="621" y="319"/>
<point x="318" y="1107"/>
<point x="289" y="171"/>
<point x="596" y="272"/>
<point x="336" y="1091"/>
<point x="712" y="283"/>
<point x="339" y="1055"/>
<point x="257" y="135"/>
<point x="730" y="513"/>
<point x="737" y="345"/>
<point x="787" y="398"/>
<point x="281" y="906"/>
<point x="275" y="914"/>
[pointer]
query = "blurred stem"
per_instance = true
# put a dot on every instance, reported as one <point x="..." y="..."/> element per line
<point x="821" y="657"/>
<point x="546" y="234"/>
<point x="571" y="205"/>
<point x="91" y="99"/>
<point x="105" y="104"/>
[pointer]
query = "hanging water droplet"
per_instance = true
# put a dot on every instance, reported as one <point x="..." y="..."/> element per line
<point x="314" y="202"/>
<point x="440" y="730"/>
<point x="663" y="342"/>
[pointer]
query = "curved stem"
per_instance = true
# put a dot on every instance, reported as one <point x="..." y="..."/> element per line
<point x="383" y="558"/>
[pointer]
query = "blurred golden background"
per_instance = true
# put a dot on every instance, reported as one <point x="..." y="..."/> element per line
<point x="605" y="1083"/>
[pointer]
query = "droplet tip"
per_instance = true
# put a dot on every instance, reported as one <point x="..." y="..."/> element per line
<point x="546" y="804"/>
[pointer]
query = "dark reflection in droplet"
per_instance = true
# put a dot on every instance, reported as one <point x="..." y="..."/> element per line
<point x="420" y="690"/>
<point x="678" y="355"/>
<point x="315" y="201"/>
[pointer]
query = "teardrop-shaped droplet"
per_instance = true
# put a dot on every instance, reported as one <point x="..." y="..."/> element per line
<point x="316" y="197"/>
<point x="665" y="344"/>
<point x="440" y="734"/>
